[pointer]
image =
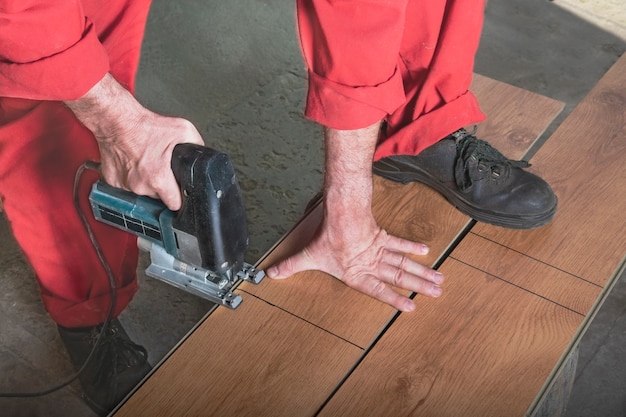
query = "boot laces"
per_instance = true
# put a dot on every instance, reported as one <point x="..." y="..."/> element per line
<point x="478" y="160"/>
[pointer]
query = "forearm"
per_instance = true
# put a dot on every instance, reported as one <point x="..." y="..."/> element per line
<point x="348" y="174"/>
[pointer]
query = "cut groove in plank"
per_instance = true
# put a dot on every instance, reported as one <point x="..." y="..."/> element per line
<point x="483" y="349"/>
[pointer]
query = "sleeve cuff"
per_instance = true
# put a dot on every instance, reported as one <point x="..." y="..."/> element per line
<point x="344" y="107"/>
<point x="67" y="75"/>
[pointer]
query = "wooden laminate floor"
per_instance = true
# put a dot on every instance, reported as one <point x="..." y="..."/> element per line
<point x="514" y="303"/>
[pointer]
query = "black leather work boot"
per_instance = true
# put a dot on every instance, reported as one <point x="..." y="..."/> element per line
<point x="115" y="368"/>
<point x="478" y="180"/>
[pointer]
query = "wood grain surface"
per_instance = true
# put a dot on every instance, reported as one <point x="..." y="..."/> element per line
<point x="258" y="361"/>
<point x="483" y="349"/>
<point x="292" y="342"/>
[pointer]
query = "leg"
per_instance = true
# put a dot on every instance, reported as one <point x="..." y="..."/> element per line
<point x="351" y="50"/>
<point x="473" y="176"/>
<point x="411" y="64"/>
<point x="42" y="146"/>
<point x="437" y="60"/>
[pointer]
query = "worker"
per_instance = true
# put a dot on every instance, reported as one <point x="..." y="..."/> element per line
<point x="388" y="80"/>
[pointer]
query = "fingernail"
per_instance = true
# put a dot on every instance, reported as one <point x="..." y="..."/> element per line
<point x="271" y="272"/>
<point x="425" y="249"/>
<point x="438" y="278"/>
<point x="408" y="306"/>
<point x="436" y="291"/>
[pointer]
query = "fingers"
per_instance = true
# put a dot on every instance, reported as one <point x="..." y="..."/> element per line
<point x="141" y="161"/>
<point x="375" y="288"/>
<point x="399" y="271"/>
<point x="183" y="131"/>
<point x="425" y="283"/>
<point x="397" y="268"/>
<point x="397" y="244"/>
<point x="170" y="191"/>
<point x="189" y="133"/>
<point x="160" y="185"/>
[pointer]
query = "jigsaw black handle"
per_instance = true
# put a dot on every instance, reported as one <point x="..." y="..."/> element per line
<point x="211" y="223"/>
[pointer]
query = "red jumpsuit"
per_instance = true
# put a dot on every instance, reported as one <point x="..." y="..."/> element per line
<point x="408" y="62"/>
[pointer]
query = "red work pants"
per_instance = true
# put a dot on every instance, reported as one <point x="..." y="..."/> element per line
<point x="41" y="147"/>
<point x="408" y="62"/>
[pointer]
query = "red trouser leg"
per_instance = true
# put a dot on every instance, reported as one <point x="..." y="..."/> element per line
<point x="408" y="62"/>
<point x="41" y="147"/>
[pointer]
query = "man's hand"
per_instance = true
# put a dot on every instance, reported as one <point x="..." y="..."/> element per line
<point x="349" y="244"/>
<point x="135" y="144"/>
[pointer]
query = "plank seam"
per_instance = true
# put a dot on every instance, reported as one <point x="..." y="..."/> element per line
<point x="517" y="286"/>
<point x="537" y="260"/>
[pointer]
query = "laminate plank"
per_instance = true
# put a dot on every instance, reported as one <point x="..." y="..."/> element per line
<point x="482" y="349"/>
<point x="537" y="277"/>
<point x="585" y="163"/>
<point x="516" y="119"/>
<point x="255" y="361"/>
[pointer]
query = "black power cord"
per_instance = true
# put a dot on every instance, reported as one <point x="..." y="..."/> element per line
<point x="112" y="288"/>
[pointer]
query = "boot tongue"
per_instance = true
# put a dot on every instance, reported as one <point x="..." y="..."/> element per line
<point x="477" y="159"/>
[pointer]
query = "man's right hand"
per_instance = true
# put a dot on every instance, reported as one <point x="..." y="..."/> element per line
<point x="135" y="143"/>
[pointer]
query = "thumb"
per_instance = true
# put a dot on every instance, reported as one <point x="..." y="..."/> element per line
<point x="171" y="196"/>
<point x="287" y="267"/>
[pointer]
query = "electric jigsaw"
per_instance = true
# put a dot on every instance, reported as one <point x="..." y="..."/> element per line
<point x="201" y="247"/>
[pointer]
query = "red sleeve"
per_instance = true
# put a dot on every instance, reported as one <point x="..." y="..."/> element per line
<point x="49" y="50"/>
<point x="352" y="50"/>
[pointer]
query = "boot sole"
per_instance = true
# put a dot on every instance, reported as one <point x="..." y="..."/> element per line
<point x="392" y="172"/>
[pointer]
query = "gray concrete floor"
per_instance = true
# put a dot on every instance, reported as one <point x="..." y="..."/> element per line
<point x="234" y="69"/>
